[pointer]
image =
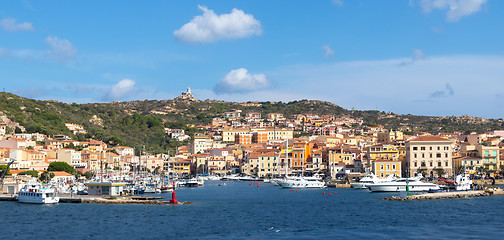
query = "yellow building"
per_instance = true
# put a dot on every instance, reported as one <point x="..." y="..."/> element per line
<point x="268" y="164"/>
<point x="382" y="151"/>
<point x="382" y="168"/>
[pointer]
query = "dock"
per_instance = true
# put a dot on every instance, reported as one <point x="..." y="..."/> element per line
<point x="67" y="198"/>
<point x="447" y="195"/>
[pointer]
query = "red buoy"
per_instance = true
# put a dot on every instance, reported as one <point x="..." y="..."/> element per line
<point x="297" y="191"/>
<point x="257" y="185"/>
<point x="323" y="193"/>
<point x="292" y="190"/>
<point x="330" y="194"/>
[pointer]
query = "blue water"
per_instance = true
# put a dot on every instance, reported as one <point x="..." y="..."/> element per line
<point x="240" y="211"/>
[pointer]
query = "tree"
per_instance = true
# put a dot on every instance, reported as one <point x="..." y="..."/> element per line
<point x="46" y="176"/>
<point x="89" y="174"/>
<point x="422" y="171"/>
<point x="440" y="172"/>
<point x="61" y="166"/>
<point x="33" y="173"/>
<point x="2" y="169"/>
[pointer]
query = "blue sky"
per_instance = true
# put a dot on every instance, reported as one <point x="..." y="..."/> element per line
<point x="428" y="57"/>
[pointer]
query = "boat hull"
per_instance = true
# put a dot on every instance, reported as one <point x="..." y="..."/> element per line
<point x="400" y="188"/>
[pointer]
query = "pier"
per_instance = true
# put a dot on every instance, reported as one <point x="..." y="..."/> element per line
<point x="447" y="195"/>
<point x="67" y="198"/>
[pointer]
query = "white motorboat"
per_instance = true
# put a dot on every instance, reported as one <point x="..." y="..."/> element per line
<point x="195" y="182"/>
<point x="36" y="193"/>
<point x="370" y="179"/>
<point x="462" y="182"/>
<point x="398" y="185"/>
<point x="302" y="182"/>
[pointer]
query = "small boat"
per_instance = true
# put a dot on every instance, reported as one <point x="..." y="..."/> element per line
<point x="36" y="193"/>
<point x="222" y="184"/>
<point x="195" y="182"/>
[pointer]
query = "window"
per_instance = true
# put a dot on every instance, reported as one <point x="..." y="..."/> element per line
<point x="430" y="163"/>
<point x="388" y="166"/>
<point x="439" y="164"/>
<point x="430" y="148"/>
<point x="423" y="155"/>
<point x="381" y="166"/>
<point x="415" y="148"/>
<point x="414" y="155"/>
<point x="494" y="153"/>
<point x="381" y="174"/>
<point x="393" y="166"/>
<point x="438" y="155"/>
<point x="446" y="155"/>
<point x="422" y="148"/>
<point x="486" y="153"/>
<point x="446" y="164"/>
<point x="430" y="155"/>
<point x="415" y="164"/>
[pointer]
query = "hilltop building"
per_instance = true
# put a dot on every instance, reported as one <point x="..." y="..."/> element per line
<point x="186" y="96"/>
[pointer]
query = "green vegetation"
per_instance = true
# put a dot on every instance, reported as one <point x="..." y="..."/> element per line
<point x="33" y="173"/>
<point x="2" y="169"/>
<point x="46" y="176"/>
<point x="61" y="166"/>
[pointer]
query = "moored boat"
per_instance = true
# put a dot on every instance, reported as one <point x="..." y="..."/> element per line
<point x="414" y="184"/>
<point x="36" y="193"/>
<point x="370" y="179"/>
<point x="302" y="182"/>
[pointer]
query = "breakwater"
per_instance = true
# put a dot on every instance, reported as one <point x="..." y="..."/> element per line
<point x="447" y="195"/>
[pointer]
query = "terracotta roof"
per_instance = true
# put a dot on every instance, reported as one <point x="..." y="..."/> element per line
<point x="429" y="139"/>
<point x="61" y="174"/>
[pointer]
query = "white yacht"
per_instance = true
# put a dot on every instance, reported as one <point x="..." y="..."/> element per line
<point x="370" y="179"/>
<point x="398" y="185"/>
<point x="302" y="182"/>
<point x="36" y="193"/>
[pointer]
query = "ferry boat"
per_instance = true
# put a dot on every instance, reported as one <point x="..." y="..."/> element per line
<point x="398" y="185"/>
<point x="36" y="193"/>
<point x="302" y="182"/>
<point x="370" y="179"/>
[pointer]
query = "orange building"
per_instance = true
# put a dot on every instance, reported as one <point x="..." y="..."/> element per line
<point x="260" y="137"/>
<point x="243" y="139"/>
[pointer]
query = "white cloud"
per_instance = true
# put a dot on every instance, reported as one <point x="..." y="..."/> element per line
<point x="239" y="80"/>
<point x="9" y="24"/>
<point x="4" y="52"/>
<point x="121" y="89"/>
<point x="61" y="49"/>
<point x="211" y="27"/>
<point x="338" y="2"/>
<point x="456" y="8"/>
<point x="418" y="55"/>
<point x="328" y="51"/>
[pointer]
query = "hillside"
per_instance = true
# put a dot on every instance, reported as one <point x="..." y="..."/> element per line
<point x="139" y="123"/>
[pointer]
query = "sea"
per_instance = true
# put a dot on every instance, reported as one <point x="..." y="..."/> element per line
<point x="246" y="210"/>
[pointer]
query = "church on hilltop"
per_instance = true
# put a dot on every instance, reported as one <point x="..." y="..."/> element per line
<point x="186" y="96"/>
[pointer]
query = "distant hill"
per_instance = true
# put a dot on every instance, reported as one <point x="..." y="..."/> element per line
<point x="138" y="123"/>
